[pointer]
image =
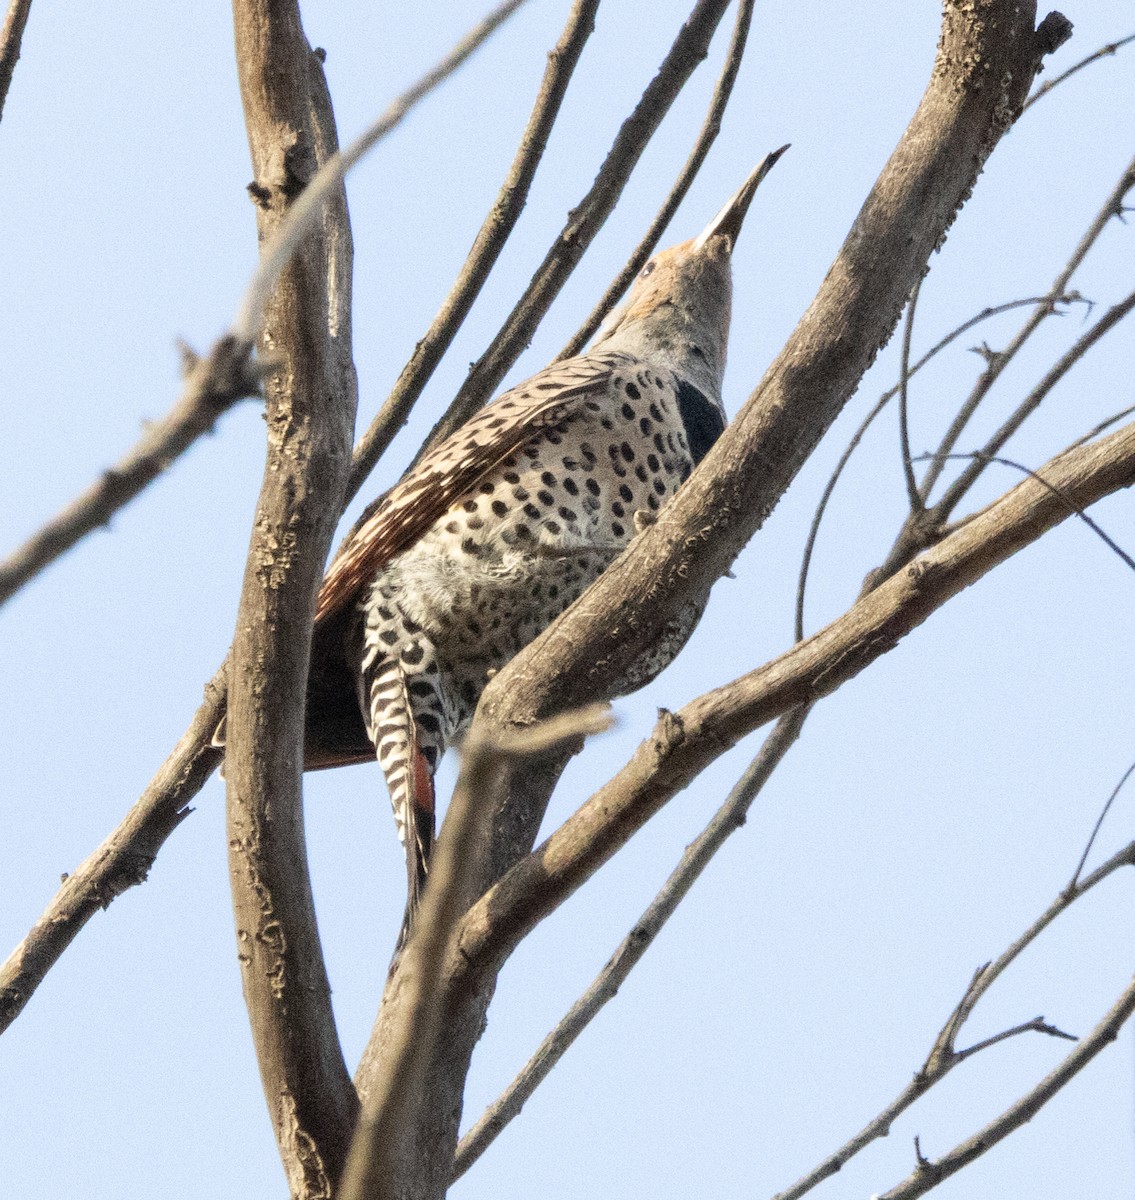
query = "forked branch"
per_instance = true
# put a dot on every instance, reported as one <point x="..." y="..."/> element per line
<point x="944" y="1055"/>
<point x="382" y="1149"/>
<point x="988" y="55"/>
<point x="126" y="855"/>
<point x="683" y="743"/>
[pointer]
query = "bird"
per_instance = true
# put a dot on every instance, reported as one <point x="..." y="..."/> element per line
<point x="499" y="529"/>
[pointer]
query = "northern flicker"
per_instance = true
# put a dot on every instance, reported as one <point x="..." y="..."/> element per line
<point x="474" y="553"/>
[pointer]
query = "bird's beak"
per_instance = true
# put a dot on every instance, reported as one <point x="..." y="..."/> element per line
<point x="727" y="223"/>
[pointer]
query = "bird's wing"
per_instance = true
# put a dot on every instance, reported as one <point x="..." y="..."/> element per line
<point x="445" y="475"/>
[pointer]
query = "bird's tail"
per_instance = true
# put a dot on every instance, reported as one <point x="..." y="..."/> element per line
<point x="408" y="778"/>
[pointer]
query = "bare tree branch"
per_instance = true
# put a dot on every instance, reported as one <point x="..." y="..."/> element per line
<point x="987" y="57"/>
<point x="586" y="218"/>
<point x="212" y="385"/>
<point x="11" y="35"/>
<point x="486" y="248"/>
<point x="913" y="498"/>
<point x="1110" y="209"/>
<point x="382" y="1150"/>
<point x="122" y="861"/>
<point x="1098" y="825"/>
<point x="305" y="212"/>
<point x="880" y="404"/>
<point x="310" y="411"/>
<point x="944" y="1055"/>
<point x="683" y="743"/>
<point x="727" y="820"/>
<point x="960" y="487"/>
<point x="929" y="1173"/>
<point x="707" y="135"/>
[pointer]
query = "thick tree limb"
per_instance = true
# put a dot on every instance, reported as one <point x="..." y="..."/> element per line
<point x="727" y="820"/>
<point x="987" y="57"/>
<point x="382" y="1151"/>
<point x="126" y="855"/>
<point x="685" y="742"/>
<point x="311" y="409"/>
<point x="286" y="237"/>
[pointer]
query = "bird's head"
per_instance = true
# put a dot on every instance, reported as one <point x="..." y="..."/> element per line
<point x="678" y="309"/>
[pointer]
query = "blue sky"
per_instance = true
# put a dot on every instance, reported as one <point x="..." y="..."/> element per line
<point x="933" y="807"/>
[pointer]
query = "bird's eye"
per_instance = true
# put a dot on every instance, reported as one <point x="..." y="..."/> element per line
<point x="697" y="350"/>
<point x="647" y="270"/>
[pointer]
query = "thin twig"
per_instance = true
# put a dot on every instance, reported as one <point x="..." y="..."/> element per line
<point x="1106" y="423"/>
<point x="585" y="219"/>
<point x="880" y="404"/>
<point x="1099" y="824"/>
<point x="929" y="1173"/>
<point x="705" y="139"/>
<point x="1102" y="52"/>
<point x="308" y="206"/>
<point x="913" y="497"/>
<point x="991" y="972"/>
<point x="11" y="35"/>
<point x="1036" y="1025"/>
<point x="729" y="818"/>
<point x="1111" y="208"/>
<point x="487" y="246"/>
<point x="957" y="490"/>
<point x="212" y="385"/>
<point x="944" y="1056"/>
<point x="1073" y="507"/>
<point x="384" y="1134"/>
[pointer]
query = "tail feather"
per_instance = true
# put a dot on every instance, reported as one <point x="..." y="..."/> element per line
<point x="419" y="844"/>
<point x="408" y="778"/>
